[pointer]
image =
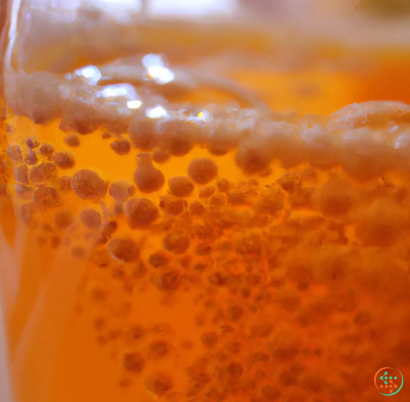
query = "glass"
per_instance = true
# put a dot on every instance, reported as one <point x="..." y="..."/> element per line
<point x="204" y="201"/>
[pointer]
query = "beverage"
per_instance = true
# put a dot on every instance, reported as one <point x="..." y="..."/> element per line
<point x="225" y="249"/>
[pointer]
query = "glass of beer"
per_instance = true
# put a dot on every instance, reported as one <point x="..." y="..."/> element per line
<point x="204" y="201"/>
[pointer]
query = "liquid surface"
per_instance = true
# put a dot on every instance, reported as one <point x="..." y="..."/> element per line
<point x="165" y="251"/>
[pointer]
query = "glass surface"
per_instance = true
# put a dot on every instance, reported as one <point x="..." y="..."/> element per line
<point x="204" y="201"/>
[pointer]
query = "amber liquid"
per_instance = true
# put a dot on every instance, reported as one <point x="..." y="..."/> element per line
<point x="237" y="283"/>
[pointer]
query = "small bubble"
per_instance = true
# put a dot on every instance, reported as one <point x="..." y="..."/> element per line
<point x="63" y="219"/>
<point x="209" y="339"/>
<point x="91" y="218"/>
<point x="158" y="259"/>
<point x="31" y="158"/>
<point x="170" y="280"/>
<point x="143" y="134"/>
<point x="235" y="313"/>
<point x="14" y="151"/>
<point x="140" y="212"/>
<point x="158" y="384"/>
<point x="88" y="185"/>
<point x="106" y="136"/>
<point x="181" y="186"/>
<point x="101" y="258"/>
<point x="46" y="150"/>
<point x="176" y="243"/>
<point x="121" y="147"/>
<point x="123" y="250"/>
<point x="235" y="370"/>
<point x="72" y="140"/>
<point x="196" y="209"/>
<point x="55" y="242"/>
<point x="32" y="143"/>
<point x="133" y="362"/>
<point x="46" y="197"/>
<point x="202" y="170"/>
<point x="78" y="252"/>
<point x="161" y="156"/>
<point x="21" y="174"/>
<point x="147" y="178"/>
<point x="159" y="350"/>
<point x="172" y="206"/>
<point x="119" y="190"/>
<point x="206" y="192"/>
<point x="63" y="159"/>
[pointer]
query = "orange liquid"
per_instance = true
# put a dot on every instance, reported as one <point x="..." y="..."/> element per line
<point x="284" y="283"/>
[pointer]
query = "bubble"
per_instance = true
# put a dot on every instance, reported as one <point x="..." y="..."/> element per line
<point x="133" y="362"/>
<point x="42" y="173"/>
<point x="55" y="242"/>
<point x="362" y="318"/>
<point x="21" y="174"/>
<point x="63" y="219"/>
<point x="161" y="156"/>
<point x="123" y="250"/>
<point x="218" y="200"/>
<point x="176" y="243"/>
<point x="202" y="170"/>
<point x="252" y="157"/>
<point x="78" y="252"/>
<point x="221" y="141"/>
<point x="143" y="134"/>
<point x="136" y="333"/>
<point x="209" y="339"/>
<point x="121" y="147"/>
<point x="301" y="198"/>
<point x="141" y="213"/>
<point x="119" y="190"/>
<point x="260" y="357"/>
<point x="158" y="384"/>
<point x="63" y="159"/>
<point x="72" y="140"/>
<point x="170" y="280"/>
<point x="177" y="136"/>
<point x="106" y="136"/>
<point x="223" y="185"/>
<point x="235" y="313"/>
<point x="158" y="259"/>
<point x="14" y="152"/>
<point x="203" y="249"/>
<point x="46" y="197"/>
<point x="32" y="143"/>
<point x="91" y="218"/>
<point x="31" y="158"/>
<point x="88" y="185"/>
<point x="395" y="378"/>
<point x="261" y="329"/>
<point x="100" y="257"/>
<point x="181" y="186"/>
<point x="65" y="183"/>
<point x="159" y="350"/>
<point x="334" y="199"/>
<point x="24" y="192"/>
<point x="196" y="209"/>
<point x="147" y="178"/>
<point x="235" y="370"/>
<point x="46" y="150"/>
<point x="172" y="206"/>
<point x="206" y="192"/>
<point x="290" y="181"/>
<point x="270" y="393"/>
